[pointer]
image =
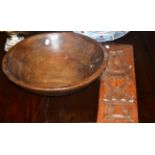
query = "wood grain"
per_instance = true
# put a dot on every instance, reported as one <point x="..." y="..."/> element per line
<point x="118" y="96"/>
<point x="17" y="105"/>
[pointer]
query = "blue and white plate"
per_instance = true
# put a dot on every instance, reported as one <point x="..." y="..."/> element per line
<point x="103" y="36"/>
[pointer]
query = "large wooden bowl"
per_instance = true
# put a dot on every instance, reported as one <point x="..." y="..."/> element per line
<point x="55" y="63"/>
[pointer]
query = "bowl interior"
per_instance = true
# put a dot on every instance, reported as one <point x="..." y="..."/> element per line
<point x="54" y="61"/>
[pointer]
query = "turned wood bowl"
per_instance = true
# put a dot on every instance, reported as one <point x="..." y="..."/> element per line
<point x="55" y="63"/>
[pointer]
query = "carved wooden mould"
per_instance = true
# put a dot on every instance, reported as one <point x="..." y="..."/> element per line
<point x="118" y="99"/>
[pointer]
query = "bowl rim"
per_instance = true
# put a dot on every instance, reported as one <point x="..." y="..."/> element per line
<point x="77" y="85"/>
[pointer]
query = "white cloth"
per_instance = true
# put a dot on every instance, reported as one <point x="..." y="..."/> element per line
<point x="13" y="40"/>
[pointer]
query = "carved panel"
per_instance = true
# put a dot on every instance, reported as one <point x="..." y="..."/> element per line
<point x="118" y="99"/>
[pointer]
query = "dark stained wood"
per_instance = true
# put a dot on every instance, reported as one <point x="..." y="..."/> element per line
<point x="17" y="105"/>
<point x="79" y="107"/>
